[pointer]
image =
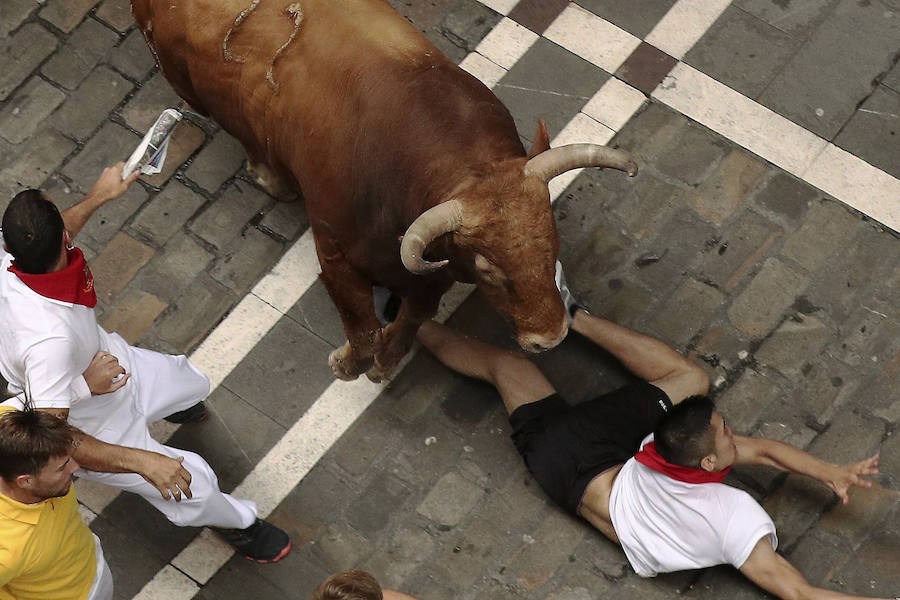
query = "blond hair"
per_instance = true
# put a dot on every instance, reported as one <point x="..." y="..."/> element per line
<point x="348" y="585"/>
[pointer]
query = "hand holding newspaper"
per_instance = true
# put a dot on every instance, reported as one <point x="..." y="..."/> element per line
<point x="156" y="143"/>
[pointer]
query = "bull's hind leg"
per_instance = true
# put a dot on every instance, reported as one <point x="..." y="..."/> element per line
<point x="397" y="338"/>
<point x="351" y="294"/>
<point x="268" y="179"/>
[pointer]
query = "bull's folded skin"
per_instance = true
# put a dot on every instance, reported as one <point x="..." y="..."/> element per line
<point x="351" y="105"/>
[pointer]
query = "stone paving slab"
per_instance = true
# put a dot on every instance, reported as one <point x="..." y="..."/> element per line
<point x="547" y="83"/>
<point x="873" y="133"/>
<point x="824" y="82"/>
<point x="82" y="51"/>
<point x="739" y="37"/>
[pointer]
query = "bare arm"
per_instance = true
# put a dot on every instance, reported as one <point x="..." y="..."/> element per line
<point x="783" y="456"/>
<point x="109" y="186"/>
<point x="772" y="572"/>
<point x="165" y="474"/>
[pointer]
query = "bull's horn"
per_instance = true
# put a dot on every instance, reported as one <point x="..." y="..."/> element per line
<point x="555" y="161"/>
<point x="436" y="221"/>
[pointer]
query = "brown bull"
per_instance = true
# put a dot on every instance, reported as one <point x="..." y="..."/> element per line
<point x="388" y="141"/>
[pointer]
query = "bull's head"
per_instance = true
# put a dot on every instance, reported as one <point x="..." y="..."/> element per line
<point x="509" y="240"/>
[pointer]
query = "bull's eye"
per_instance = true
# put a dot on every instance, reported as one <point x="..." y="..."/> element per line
<point x="490" y="273"/>
<point x="510" y="288"/>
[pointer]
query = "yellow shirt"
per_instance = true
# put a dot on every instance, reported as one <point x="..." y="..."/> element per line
<point x="46" y="550"/>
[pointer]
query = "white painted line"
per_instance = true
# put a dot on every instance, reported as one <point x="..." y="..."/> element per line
<point x="594" y="39"/>
<point x="93" y="495"/>
<point x="783" y="143"/>
<point x="684" y="24"/>
<point x="298" y="451"/>
<point x="614" y="103"/>
<point x="306" y="442"/>
<point x="501" y="6"/>
<point x="227" y="345"/>
<point x="506" y="43"/>
<point x="486" y="71"/>
<point x="87" y="515"/>
<point x="169" y="584"/>
<point x="739" y="119"/>
<point x="858" y="184"/>
<point x="257" y="313"/>
<point x="581" y="128"/>
<point x="297" y="270"/>
<point x="203" y="556"/>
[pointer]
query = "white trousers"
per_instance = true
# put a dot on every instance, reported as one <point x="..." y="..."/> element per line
<point x="162" y="384"/>
<point x="102" y="588"/>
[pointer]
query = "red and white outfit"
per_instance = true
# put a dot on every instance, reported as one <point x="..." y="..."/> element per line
<point x="665" y="524"/>
<point x="47" y="343"/>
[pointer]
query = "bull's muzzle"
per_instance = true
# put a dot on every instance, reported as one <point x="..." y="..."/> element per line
<point x="533" y="342"/>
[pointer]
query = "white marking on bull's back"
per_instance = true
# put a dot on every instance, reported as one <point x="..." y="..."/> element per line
<point x="237" y="21"/>
<point x="295" y="10"/>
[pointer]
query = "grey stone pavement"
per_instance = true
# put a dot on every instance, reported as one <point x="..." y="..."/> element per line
<point x="788" y="298"/>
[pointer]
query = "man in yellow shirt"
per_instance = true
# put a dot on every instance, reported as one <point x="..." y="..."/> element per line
<point x="46" y="550"/>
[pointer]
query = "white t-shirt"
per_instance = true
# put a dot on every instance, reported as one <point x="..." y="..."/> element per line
<point x="45" y="347"/>
<point x="668" y="525"/>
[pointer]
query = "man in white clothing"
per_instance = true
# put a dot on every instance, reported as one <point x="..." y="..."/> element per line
<point x="53" y="352"/>
<point x="644" y="464"/>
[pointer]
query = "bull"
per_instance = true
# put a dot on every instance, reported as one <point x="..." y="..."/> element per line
<point x="411" y="169"/>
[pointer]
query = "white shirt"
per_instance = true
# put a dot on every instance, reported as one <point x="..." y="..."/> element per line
<point x="45" y="347"/>
<point x="668" y="525"/>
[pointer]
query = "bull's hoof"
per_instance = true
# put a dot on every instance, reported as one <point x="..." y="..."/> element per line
<point x="380" y="372"/>
<point x="340" y="367"/>
<point x="377" y="374"/>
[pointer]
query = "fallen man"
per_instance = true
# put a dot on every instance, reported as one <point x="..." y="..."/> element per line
<point x="644" y="463"/>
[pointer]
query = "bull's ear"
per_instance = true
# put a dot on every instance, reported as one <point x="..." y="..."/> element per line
<point x="541" y="140"/>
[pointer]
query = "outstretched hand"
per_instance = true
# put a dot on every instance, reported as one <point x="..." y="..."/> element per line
<point x="167" y="475"/>
<point x="850" y="475"/>
<point x="110" y="184"/>
<point x="102" y="372"/>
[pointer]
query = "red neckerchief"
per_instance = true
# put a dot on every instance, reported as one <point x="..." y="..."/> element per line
<point x="650" y="457"/>
<point x="73" y="284"/>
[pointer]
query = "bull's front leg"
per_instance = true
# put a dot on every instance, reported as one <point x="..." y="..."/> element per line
<point x="351" y="294"/>
<point x="397" y="338"/>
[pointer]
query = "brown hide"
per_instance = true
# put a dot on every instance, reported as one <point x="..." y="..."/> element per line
<point x="346" y="101"/>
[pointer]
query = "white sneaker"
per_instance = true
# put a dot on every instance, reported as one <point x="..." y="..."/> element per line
<point x="571" y="303"/>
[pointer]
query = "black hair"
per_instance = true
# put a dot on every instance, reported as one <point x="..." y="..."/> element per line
<point x="33" y="231"/>
<point x="684" y="436"/>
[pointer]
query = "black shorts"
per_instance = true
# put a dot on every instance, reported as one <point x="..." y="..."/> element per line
<point x="565" y="447"/>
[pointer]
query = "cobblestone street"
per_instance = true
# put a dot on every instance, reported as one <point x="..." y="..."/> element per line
<point x="760" y="237"/>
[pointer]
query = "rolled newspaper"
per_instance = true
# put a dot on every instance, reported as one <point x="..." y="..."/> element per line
<point x="155" y="143"/>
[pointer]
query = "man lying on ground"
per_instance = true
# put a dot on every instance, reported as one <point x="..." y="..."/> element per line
<point x="644" y="464"/>
<point x="46" y="550"/>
